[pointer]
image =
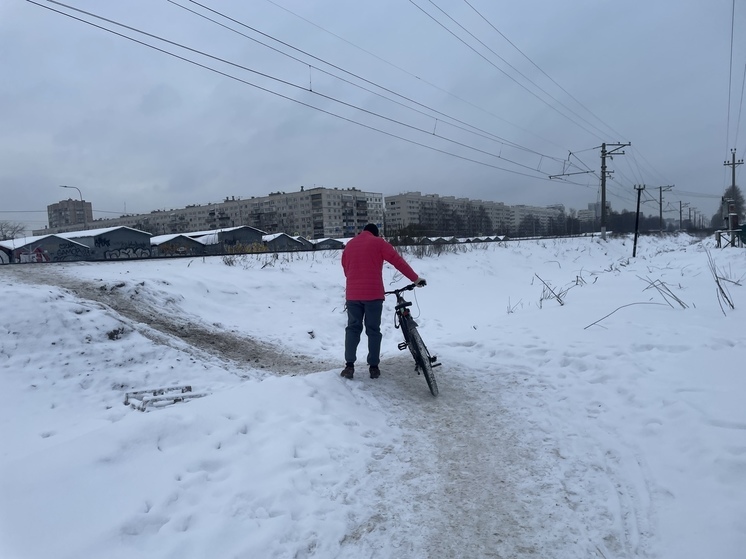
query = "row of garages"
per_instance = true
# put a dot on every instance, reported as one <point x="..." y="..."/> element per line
<point x="116" y="243"/>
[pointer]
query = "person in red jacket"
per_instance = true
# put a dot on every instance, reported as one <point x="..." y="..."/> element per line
<point x="362" y="261"/>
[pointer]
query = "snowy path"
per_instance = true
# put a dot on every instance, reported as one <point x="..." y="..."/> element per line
<point x="467" y="477"/>
<point x="487" y="473"/>
<point x="159" y="316"/>
<point x="550" y="439"/>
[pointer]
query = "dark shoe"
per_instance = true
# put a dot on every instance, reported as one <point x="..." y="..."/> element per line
<point x="348" y="371"/>
<point x="375" y="372"/>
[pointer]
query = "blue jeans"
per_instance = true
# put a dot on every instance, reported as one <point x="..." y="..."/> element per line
<point x="366" y="313"/>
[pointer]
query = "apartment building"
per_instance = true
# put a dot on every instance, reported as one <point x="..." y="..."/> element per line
<point x="70" y="213"/>
<point x="444" y="214"/>
<point x="314" y="213"/>
<point x="320" y="212"/>
<point x="543" y="216"/>
<point x="593" y="213"/>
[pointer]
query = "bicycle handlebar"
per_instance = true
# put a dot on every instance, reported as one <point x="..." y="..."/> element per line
<point x="409" y="287"/>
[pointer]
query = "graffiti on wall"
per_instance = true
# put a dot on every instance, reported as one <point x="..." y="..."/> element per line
<point x="169" y="249"/>
<point x="127" y="253"/>
<point x="52" y="253"/>
<point x="126" y="250"/>
<point x="70" y="251"/>
<point x="39" y="254"/>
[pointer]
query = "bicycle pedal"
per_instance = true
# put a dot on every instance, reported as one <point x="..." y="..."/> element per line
<point x="433" y="359"/>
<point x="402" y="346"/>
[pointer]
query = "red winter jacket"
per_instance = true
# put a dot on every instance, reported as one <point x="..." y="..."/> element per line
<point x="362" y="261"/>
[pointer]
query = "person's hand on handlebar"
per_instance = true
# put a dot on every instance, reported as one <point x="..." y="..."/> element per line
<point x="420" y="282"/>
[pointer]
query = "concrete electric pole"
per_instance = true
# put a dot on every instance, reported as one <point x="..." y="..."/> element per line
<point x="637" y="218"/>
<point x="604" y="154"/>
<point x="733" y="164"/>
<point x="660" y="201"/>
<point x="681" y="215"/>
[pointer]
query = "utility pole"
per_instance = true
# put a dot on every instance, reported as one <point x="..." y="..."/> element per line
<point x="732" y="217"/>
<point x="660" y="201"/>
<point x="681" y="208"/>
<point x="733" y="164"/>
<point x="637" y="218"/>
<point x="604" y="154"/>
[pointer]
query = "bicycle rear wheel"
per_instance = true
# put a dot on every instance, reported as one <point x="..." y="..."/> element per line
<point x="421" y="356"/>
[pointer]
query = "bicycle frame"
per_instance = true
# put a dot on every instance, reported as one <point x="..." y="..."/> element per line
<point x="401" y="309"/>
<point x="424" y="362"/>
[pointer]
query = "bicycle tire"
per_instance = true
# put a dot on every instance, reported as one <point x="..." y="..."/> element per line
<point x="421" y="356"/>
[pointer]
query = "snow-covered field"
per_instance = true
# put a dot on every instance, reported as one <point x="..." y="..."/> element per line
<point x="609" y="426"/>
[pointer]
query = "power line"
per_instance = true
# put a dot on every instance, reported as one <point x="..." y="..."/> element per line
<point x="504" y="72"/>
<point x="499" y="156"/>
<point x="730" y="74"/>
<point x="740" y="105"/>
<point x="636" y="180"/>
<point x="618" y="184"/>
<point x="484" y="134"/>
<point x="659" y="175"/>
<point x="416" y="77"/>
<point x="540" y="70"/>
<point x="370" y="127"/>
<point x="533" y="173"/>
<point x="689" y="194"/>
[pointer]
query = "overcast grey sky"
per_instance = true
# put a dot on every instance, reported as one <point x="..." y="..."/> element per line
<point x="138" y="130"/>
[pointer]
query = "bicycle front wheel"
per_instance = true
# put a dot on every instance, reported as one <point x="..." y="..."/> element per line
<point x="422" y="357"/>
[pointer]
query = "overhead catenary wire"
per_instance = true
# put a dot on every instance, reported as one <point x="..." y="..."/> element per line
<point x="659" y="177"/>
<point x="618" y="189"/>
<point x="534" y="172"/>
<point x="290" y="84"/>
<point x="498" y="139"/>
<point x="614" y="194"/>
<point x="467" y="127"/>
<point x="488" y="22"/>
<point x="528" y="167"/>
<point x="284" y="82"/>
<point x="730" y="75"/>
<point x="600" y="137"/>
<point x="613" y="181"/>
<point x="638" y="171"/>
<point x="421" y="79"/>
<point x="635" y="170"/>
<point x="574" y="154"/>
<point x="615" y="188"/>
<point x="689" y="194"/>
<point x="740" y="106"/>
<point x="416" y="77"/>
<point x="726" y="183"/>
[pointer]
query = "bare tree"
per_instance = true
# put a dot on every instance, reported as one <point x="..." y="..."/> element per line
<point x="11" y="230"/>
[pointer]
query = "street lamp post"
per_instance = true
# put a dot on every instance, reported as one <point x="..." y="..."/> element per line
<point x="82" y="204"/>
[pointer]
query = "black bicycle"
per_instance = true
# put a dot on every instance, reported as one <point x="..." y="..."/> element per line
<point x="424" y="362"/>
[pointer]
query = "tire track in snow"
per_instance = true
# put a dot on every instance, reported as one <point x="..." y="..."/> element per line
<point x="484" y="482"/>
<point x="243" y="353"/>
<point x="479" y="472"/>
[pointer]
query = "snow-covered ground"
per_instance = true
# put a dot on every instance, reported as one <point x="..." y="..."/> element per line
<point x="609" y="426"/>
